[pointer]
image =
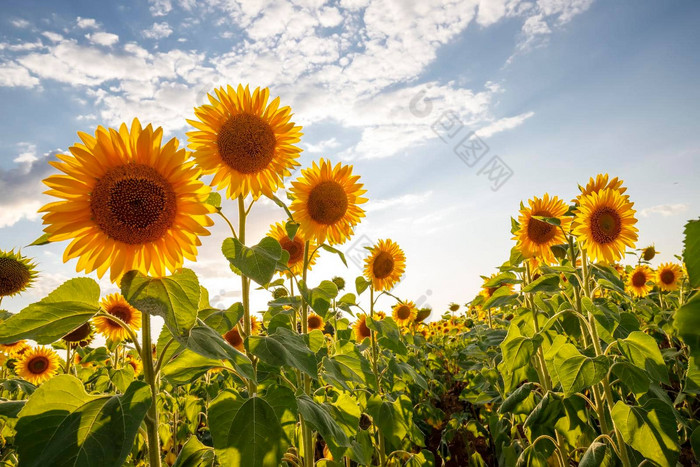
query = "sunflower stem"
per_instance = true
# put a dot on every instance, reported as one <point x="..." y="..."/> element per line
<point x="306" y="434"/>
<point x="375" y="369"/>
<point x="68" y="357"/>
<point x="149" y="375"/>
<point x="245" y="290"/>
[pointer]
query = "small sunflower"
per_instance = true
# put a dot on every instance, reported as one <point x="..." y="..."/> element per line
<point x="605" y="225"/>
<point x="385" y="265"/>
<point x="15" y="348"/>
<point x="601" y="182"/>
<point x="314" y="321"/>
<point x="638" y="279"/>
<point x="37" y="365"/>
<point x="487" y="292"/>
<point x="361" y="329"/>
<point x="135" y="363"/>
<point x="668" y="276"/>
<point x="423" y="313"/>
<point x="127" y="203"/>
<point x="326" y="202"/>
<point x="117" y="306"/>
<point x="16" y="273"/>
<point x="536" y="237"/>
<point x="404" y="313"/>
<point x="247" y="144"/>
<point x="80" y="336"/>
<point x="234" y="338"/>
<point x="295" y="248"/>
<point x="649" y="253"/>
<point x="255" y="325"/>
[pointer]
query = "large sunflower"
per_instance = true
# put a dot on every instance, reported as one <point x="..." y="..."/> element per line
<point x="668" y="276"/>
<point x="605" y="225"/>
<point x="404" y="313"/>
<point x="16" y="273"/>
<point x="637" y="283"/>
<point x="246" y="143"/>
<point x="385" y="265"/>
<point x="535" y="237"/>
<point x="360" y="327"/>
<point x="326" y="202"/>
<point x="117" y="306"/>
<point x="37" y="365"/>
<point x="127" y="203"/>
<point x="295" y="248"/>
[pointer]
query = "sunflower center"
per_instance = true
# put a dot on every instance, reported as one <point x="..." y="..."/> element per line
<point x="606" y="225"/>
<point x="539" y="231"/>
<point x="295" y="248"/>
<point x="314" y="322"/>
<point x="246" y="143"/>
<point x="403" y="312"/>
<point x="78" y="334"/>
<point x="38" y="365"/>
<point x="383" y="265"/>
<point x="364" y="330"/>
<point x="233" y="337"/>
<point x="14" y="276"/>
<point x="667" y="277"/>
<point x="133" y="204"/>
<point x="639" y="279"/>
<point x="327" y="203"/>
<point x="122" y="312"/>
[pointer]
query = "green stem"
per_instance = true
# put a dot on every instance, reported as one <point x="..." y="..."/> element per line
<point x="245" y="290"/>
<point x="307" y="438"/>
<point x="377" y="377"/>
<point x="68" y="357"/>
<point x="149" y="375"/>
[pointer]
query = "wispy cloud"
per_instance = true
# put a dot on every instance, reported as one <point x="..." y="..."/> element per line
<point x="410" y="199"/>
<point x="158" y="31"/>
<point x="664" y="210"/>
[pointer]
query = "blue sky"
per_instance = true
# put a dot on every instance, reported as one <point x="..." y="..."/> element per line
<point x="559" y="90"/>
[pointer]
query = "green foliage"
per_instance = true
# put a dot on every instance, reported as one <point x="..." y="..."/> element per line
<point x="258" y="262"/>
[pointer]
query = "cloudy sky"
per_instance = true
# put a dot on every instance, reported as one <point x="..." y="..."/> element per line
<point x="452" y="112"/>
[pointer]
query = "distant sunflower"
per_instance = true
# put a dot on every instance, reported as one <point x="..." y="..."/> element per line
<point x="314" y="321"/>
<point x="536" y="237"/>
<point x="117" y="306"/>
<point x="37" y="365"/>
<point x="127" y="203"/>
<point x="487" y="292"/>
<point x="326" y="202"/>
<point x="80" y="336"/>
<point x="385" y="265"/>
<point x="295" y="248"/>
<point x="600" y="183"/>
<point x="649" y="252"/>
<point x="15" y="348"/>
<point x="638" y="279"/>
<point x="135" y="363"/>
<point x="234" y="338"/>
<point x="16" y="273"/>
<point x="605" y="225"/>
<point x="255" y="325"/>
<point x="668" y="276"/>
<point x="247" y="144"/>
<point x="361" y="329"/>
<point x="379" y="315"/>
<point x="404" y="313"/>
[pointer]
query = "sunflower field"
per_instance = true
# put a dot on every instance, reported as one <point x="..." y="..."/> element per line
<point x="576" y="352"/>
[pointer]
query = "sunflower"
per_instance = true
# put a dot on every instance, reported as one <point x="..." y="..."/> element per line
<point x="423" y="313"/>
<point x="487" y="292"/>
<point x="80" y="336"/>
<point x="605" y="225"/>
<point x="649" y="252"/>
<point x="379" y="315"/>
<point x="599" y="183"/>
<point x="326" y="202"/>
<point x="536" y="237"/>
<point x="117" y="306"/>
<point x="135" y="363"/>
<point x="255" y="325"/>
<point x="314" y="321"/>
<point x="361" y="329"/>
<point x="404" y="313"/>
<point x="295" y="248"/>
<point x="16" y="273"/>
<point x="668" y="276"/>
<point x="638" y="278"/>
<point x="37" y="365"/>
<point x="234" y="338"/>
<point x="385" y="265"/>
<point x="15" y="348"/>
<point x="127" y="203"/>
<point x="247" y="144"/>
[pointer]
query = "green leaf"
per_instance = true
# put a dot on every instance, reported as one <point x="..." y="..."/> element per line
<point x="521" y="401"/>
<point x="188" y="366"/>
<point x="691" y="252"/>
<point x="63" y="310"/>
<point x="195" y="454"/>
<point x="281" y="204"/>
<point x="549" y="220"/>
<point x="320" y="298"/>
<point x="650" y="429"/>
<point x="393" y="419"/>
<point x="122" y="377"/>
<point x="389" y="336"/>
<point x="695" y="442"/>
<point x="320" y="419"/>
<point x="10" y="409"/>
<point x="246" y="433"/>
<point x="643" y="352"/>
<point x="687" y="322"/>
<point x="597" y="455"/>
<point x="284" y="347"/>
<point x="174" y="298"/>
<point x="631" y="376"/>
<point x="283" y="402"/>
<point x="547" y="283"/>
<point x="361" y="284"/>
<point x="577" y="372"/>
<point x="291" y="229"/>
<point x="207" y="342"/>
<point x="61" y="425"/>
<point x="503" y="296"/>
<point x="330" y="249"/>
<point x="259" y="262"/>
<point x="214" y="199"/>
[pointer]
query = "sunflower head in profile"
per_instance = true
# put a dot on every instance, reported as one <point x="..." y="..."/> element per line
<point x="600" y="183"/>
<point x="126" y="202"/>
<point x="37" y="365"/>
<point x="605" y="225"/>
<point x="233" y="337"/>
<point x="80" y="336"/>
<point x="360" y="327"/>
<point x="15" y="349"/>
<point x="536" y="237"/>
<point x="326" y="202"/>
<point x="117" y="306"/>
<point x="404" y="313"/>
<point x="314" y="321"/>
<point x="668" y="276"/>
<point x="295" y="248"/>
<point x="385" y="265"/>
<point x="246" y="142"/>
<point x="638" y="281"/>
<point x="16" y="273"/>
<point x="649" y="253"/>
<point x="423" y="313"/>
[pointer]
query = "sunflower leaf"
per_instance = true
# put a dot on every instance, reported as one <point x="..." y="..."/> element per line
<point x="340" y="254"/>
<point x="691" y="252"/>
<point x="258" y="262"/>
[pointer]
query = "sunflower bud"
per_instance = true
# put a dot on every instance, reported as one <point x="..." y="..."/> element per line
<point x="279" y="292"/>
<point x="339" y="282"/>
<point x="648" y="253"/>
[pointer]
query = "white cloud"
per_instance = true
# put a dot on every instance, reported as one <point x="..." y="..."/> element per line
<point x="52" y="36"/>
<point x="103" y="38"/>
<point x="160" y="7"/>
<point x="28" y="154"/>
<point x="86" y="23"/>
<point x="410" y="199"/>
<point x="664" y="210"/>
<point x="13" y="75"/>
<point x="20" y="23"/>
<point x="321" y="146"/>
<point x="503" y="124"/>
<point x="158" y="31"/>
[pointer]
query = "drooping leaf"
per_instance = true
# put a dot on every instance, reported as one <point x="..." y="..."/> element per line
<point x="195" y="454"/>
<point x="258" y="262"/>
<point x="577" y="372"/>
<point x="598" y="454"/>
<point x="320" y="419"/>
<point x="284" y="347"/>
<point x="207" y="342"/>
<point x="691" y="252"/>
<point x="546" y="283"/>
